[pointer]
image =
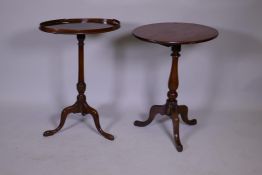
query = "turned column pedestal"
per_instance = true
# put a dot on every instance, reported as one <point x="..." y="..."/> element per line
<point x="171" y="108"/>
<point x="80" y="106"/>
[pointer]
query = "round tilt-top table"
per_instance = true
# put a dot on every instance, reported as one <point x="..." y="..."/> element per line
<point x="80" y="28"/>
<point x="173" y="35"/>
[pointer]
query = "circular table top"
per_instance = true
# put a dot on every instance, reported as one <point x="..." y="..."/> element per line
<point x="170" y="34"/>
<point x="80" y="26"/>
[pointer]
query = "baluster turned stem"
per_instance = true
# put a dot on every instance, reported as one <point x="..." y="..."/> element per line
<point x="173" y="81"/>
<point x="81" y="86"/>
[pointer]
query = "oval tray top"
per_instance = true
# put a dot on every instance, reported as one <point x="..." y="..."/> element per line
<point x="172" y="33"/>
<point x="80" y="26"/>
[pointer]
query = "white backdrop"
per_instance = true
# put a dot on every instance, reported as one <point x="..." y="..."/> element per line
<point x="39" y="70"/>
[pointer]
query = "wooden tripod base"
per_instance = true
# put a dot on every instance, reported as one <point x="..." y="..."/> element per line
<point x="80" y="105"/>
<point x="171" y="108"/>
<point x="173" y="111"/>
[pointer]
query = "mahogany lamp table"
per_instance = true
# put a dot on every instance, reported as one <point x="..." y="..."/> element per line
<point x="80" y="28"/>
<point x="173" y="35"/>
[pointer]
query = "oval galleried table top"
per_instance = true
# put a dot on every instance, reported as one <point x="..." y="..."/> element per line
<point x="80" y="26"/>
<point x="172" y="33"/>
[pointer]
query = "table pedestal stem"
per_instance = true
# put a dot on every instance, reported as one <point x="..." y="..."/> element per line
<point x="171" y="108"/>
<point x="80" y="105"/>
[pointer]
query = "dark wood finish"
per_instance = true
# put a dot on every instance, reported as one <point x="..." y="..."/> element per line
<point x="170" y="34"/>
<point x="75" y="26"/>
<point x="173" y="34"/>
<point x="80" y="26"/>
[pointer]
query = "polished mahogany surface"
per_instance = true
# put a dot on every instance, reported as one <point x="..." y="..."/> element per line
<point x="80" y="26"/>
<point x="172" y="33"/>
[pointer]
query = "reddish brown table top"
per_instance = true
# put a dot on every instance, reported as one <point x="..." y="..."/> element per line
<point x="80" y="26"/>
<point x="175" y="33"/>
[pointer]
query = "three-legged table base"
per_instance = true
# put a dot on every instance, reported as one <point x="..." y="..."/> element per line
<point x="173" y="111"/>
<point x="82" y="107"/>
<point x="171" y="108"/>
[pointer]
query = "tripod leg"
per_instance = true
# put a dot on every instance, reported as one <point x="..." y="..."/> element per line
<point x="156" y="109"/>
<point x="175" y="121"/>
<point x="183" y="111"/>
<point x="94" y="114"/>
<point x="64" y="114"/>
